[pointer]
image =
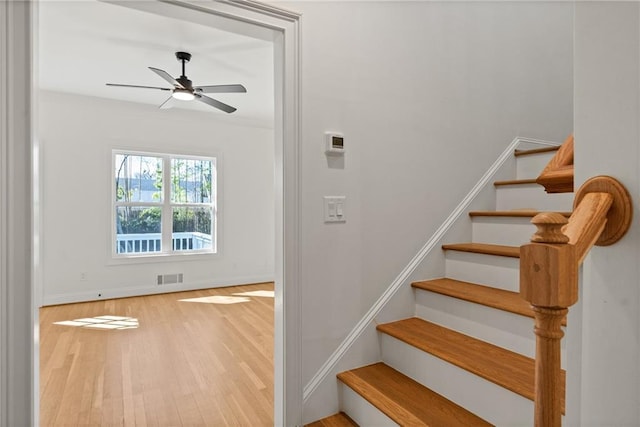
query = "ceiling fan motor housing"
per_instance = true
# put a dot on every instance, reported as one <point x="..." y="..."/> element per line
<point x="185" y="82"/>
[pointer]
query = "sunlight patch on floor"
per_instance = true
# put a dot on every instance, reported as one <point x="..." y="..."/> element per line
<point x="102" y="322"/>
<point x="266" y="294"/>
<point x="217" y="299"/>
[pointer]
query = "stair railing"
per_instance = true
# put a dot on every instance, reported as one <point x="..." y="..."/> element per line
<point x="549" y="277"/>
<point x="557" y="176"/>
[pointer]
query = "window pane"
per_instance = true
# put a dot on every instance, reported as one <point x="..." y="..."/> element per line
<point x="192" y="228"/>
<point x="138" y="229"/>
<point x="138" y="178"/>
<point x="191" y="180"/>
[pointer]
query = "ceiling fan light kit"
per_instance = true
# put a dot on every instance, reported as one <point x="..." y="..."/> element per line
<point x="184" y="90"/>
<point x="183" y="95"/>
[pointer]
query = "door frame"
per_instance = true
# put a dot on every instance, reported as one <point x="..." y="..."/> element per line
<point x="20" y="231"/>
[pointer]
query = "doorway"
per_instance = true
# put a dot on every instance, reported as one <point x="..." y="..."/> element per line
<point x="21" y="357"/>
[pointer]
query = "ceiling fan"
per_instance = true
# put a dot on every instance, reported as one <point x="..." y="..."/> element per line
<point x="184" y="90"/>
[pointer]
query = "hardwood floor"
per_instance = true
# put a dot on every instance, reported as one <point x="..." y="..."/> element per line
<point x="186" y="364"/>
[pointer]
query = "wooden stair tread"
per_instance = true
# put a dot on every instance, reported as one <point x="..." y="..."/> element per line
<point x="524" y="213"/>
<point x="404" y="400"/>
<point x="519" y="153"/>
<point x="491" y="297"/>
<point x="479" y="294"/>
<point x="336" y="420"/>
<point x="515" y="182"/>
<point x="485" y="248"/>
<point x="503" y="367"/>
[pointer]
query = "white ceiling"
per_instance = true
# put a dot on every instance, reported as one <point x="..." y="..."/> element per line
<point x="85" y="44"/>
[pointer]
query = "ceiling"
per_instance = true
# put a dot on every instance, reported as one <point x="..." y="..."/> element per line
<point x="85" y="44"/>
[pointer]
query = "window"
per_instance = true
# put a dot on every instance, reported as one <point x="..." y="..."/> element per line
<point x="163" y="204"/>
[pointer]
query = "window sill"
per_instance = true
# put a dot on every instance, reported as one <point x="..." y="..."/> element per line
<point x="155" y="258"/>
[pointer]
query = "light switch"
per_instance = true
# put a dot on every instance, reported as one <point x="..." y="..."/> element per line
<point x="334" y="209"/>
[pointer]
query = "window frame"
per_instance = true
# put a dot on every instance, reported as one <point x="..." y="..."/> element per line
<point x="166" y="206"/>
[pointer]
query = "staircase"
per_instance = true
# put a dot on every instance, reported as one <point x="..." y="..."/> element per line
<point x="467" y="357"/>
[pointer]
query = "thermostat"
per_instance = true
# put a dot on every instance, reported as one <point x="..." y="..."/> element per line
<point x="334" y="143"/>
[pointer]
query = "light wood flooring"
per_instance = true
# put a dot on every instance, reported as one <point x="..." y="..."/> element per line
<point x="186" y="364"/>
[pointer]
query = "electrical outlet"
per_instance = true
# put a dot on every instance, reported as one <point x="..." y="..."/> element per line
<point x="83" y="276"/>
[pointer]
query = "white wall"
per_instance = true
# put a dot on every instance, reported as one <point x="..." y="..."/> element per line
<point x="77" y="135"/>
<point x="607" y="116"/>
<point x="427" y="95"/>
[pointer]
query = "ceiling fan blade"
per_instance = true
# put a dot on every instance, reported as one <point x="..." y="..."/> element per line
<point x="215" y="103"/>
<point x="137" y="86"/>
<point x="221" y="89"/>
<point x="169" y="103"/>
<point x="167" y="77"/>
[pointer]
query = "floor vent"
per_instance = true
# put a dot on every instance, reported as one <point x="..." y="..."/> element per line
<point x="168" y="279"/>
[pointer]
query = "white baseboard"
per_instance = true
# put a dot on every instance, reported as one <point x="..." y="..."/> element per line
<point x="133" y="291"/>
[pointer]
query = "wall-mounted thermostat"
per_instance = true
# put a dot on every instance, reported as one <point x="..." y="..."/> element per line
<point x="334" y="143"/>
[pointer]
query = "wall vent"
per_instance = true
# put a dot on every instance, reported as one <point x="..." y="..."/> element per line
<point x="168" y="279"/>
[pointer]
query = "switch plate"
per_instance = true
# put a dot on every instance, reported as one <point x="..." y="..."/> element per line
<point x="334" y="209"/>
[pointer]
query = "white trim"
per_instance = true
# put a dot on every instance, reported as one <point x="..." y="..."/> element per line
<point x="404" y="275"/>
<point x="157" y="257"/>
<point x="18" y="333"/>
<point x="4" y="211"/>
<point x="135" y="291"/>
<point x="288" y="341"/>
<point x="538" y="141"/>
<point x="268" y="9"/>
<point x="37" y="281"/>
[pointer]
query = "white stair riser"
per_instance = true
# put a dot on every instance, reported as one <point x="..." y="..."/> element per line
<point x="502" y="230"/>
<point x="483" y="398"/>
<point x="530" y="166"/>
<point x="489" y="270"/>
<point x="531" y="196"/>
<point x="502" y="328"/>
<point x="361" y="411"/>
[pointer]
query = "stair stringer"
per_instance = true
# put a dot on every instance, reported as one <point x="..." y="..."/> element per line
<point x="362" y="345"/>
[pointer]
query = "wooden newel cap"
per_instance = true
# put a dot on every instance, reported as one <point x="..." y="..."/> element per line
<point x="549" y="228"/>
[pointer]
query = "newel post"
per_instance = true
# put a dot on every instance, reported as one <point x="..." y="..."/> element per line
<point x="549" y="281"/>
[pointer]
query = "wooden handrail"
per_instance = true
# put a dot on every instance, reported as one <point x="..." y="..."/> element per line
<point x="587" y="223"/>
<point x="557" y="176"/>
<point x="549" y="276"/>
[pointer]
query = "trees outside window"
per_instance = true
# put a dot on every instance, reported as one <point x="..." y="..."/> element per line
<point x="153" y="218"/>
